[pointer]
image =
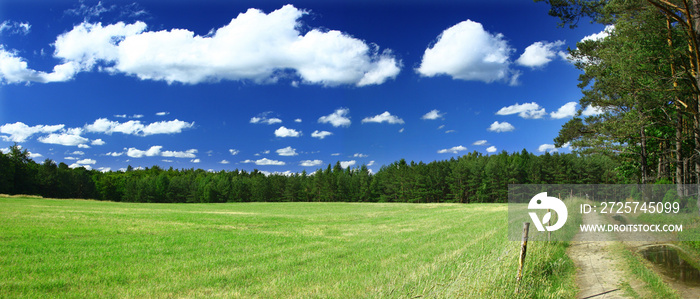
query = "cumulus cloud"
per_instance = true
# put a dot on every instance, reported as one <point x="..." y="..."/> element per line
<point x="97" y="142"/>
<point x="156" y="150"/>
<point x="360" y="155"/>
<point x="500" y="127"/>
<point x="287" y="151"/>
<point x="321" y="134"/>
<point x="164" y="113"/>
<point x="76" y="165"/>
<point x="285" y="132"/>
<point x="600" y="35"/>
<point x="480" y="142"/>
<point x="20" y="132"/>
<point x="86" y="161"/>
<point x="338" y="118"/>
<point x="265" y="161"/>
<point x="136" y="127"/>
<point x="547" y="148"/>
<point x="195" y="160"/>
<point x="309" y="163"/>
<point x="568" y="110"/>
<point x="224" y="162"/>
<point x="234" y="152"/>
<point x="591" y="111"/>
<point x="346" y="164"/>
<point x="491" y="149"/>
<point x="454" y="150"/>
<point x="254" y="46"/>
<point x="433" y="114"/>
<point x="526" y="110"/>
<point x="539" y="54"/>
<point x="468" y="52"/>
<point x="70" y="137"/>
<point x="385" y="117"/>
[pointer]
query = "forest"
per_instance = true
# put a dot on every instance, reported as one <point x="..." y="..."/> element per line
<point x="470" y="178"/>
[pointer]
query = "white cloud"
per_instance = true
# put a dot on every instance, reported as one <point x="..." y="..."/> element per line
<point x="287" y="151"/>
<point x="79" y="153"/>
<point x="491" y="149"/>
<point x="480" y="142"/>
<point x="568" y="110"/>
<point x="547" y="148"/>
<point x="135" y="127"/>
<point x="191" y="153"/>
<point x="321" y="134"/>
<point x="114" y="154"/>
<point x="370" y="163"/>
<point x="34" y="155"/>
<point x="335" y="154"/>
<point x="76" y="165"/>
<point x="104" y="169"/>
<point x="13" y="27"/>
<point x="468" y="52"/>
<point x="263" y="119"/>
<point x="156" y="151"/>
<point x="97" y="142"/>
<point x="70" y="137"/>
<point x="539" y="54"/>
<point x="166" y="127"/>
<point x="120" y="115"/>
<point x="14" y="69"/>
<point x="499" y="127"/>
<point x="285" y="132"/>
<point x="346" y="164"/>
<point x="86" y="161"/>
<point x="526" y="110"/>
<point x="234" y="152"/>
<point x="83" y="146"/>
<point x="164" y="113"/>
<point x="600" y="35"/>
<point x="360" y="155"/>
<point x="454" y="150"/>
<point x="136" y="153"/>
<point x="337" y="118"/>
<point x="20" y="132"/>
<point x="433" y="114"/>
<point x="254" y="46"/>
<point x="298" y="120"/>
<point x="591" y="111"/>
<point x="195" y="160"/>
<point x="137" y="116"/>
<point x="224" y="162"/>
<point x="309" y="163"/>
<point x="265" y="161"/>
<point x="384" y="117"/>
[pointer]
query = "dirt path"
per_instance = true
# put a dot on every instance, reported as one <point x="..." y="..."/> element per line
<point x="599" y="274"/>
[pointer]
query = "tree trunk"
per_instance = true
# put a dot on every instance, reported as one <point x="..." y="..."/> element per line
<point x="643" y="157"/>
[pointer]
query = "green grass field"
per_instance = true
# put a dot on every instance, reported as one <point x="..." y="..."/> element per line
<point x="77" y="248"/>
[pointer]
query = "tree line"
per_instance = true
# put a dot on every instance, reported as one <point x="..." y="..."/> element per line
<point x="470" y="178"/>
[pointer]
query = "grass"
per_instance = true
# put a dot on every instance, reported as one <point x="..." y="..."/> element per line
<point x="78" y="248"/>
<point x="637" y="266"/>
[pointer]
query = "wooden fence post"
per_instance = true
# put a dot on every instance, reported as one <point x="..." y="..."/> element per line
<point x="523" y="251"/>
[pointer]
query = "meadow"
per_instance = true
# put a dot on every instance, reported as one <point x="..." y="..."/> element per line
<point x="81" y="248"/>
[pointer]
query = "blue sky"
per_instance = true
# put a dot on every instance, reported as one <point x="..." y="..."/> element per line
<point x="282" y="86"/>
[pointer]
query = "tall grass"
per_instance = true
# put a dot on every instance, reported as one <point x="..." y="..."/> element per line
<point x="76" y="248"/>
